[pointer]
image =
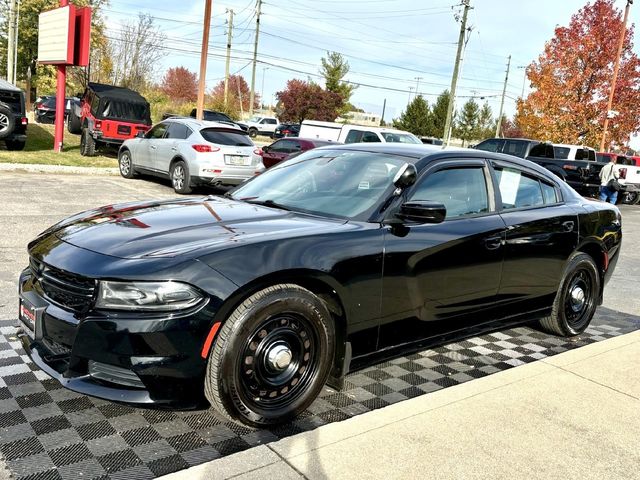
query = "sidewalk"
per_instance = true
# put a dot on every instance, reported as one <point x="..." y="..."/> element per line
<point x="574" y="415"/>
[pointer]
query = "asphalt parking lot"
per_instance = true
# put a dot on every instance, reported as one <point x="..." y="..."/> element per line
<point x="59" y="434"/>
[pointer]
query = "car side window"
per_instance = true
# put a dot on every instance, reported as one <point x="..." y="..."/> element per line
<point x="549" y="193"/>
<point x="281" y="146"/>
<point x="517" y="189"/>
<point x="178" y="131"/>
<point x="271" y="121"/>
<point x="543" y="150"/>
<point x="353" y="136"/>
<point x="462" y="190"/>
<point x="515" y="147"/>
<point x="491" y="145"/>
<point x="370" y="137"/>
<point x="157" y="132"/>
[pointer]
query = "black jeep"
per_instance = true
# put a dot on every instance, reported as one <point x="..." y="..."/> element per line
<point x="13" y="121"/>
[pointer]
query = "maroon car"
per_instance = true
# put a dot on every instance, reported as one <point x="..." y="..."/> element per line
<point x="283" y="148"/>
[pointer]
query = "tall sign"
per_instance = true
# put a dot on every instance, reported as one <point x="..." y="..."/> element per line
<point x="63" y="40"/>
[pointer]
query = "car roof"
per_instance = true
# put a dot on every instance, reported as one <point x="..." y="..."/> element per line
<point x="200" y="124"/>
<point x="4" y="85"/>
<point x="425" y="154"/>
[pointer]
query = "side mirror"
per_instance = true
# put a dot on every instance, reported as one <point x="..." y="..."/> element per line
<point x="422" y="211"/>
<point x="406" y="176"/>
<point x="266" y="149"/>
<point x="140" y="134"/>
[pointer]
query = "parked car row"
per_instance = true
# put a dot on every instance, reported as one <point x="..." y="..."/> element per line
<point x="13" y="119"/>
<point x="578" y="165"/>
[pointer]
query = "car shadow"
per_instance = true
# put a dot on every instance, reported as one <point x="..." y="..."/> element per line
<point x="198" y="191"/>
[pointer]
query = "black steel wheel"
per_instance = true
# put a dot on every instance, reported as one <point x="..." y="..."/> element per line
<point x="577" y="298"/>
<point x="272" y="356"/>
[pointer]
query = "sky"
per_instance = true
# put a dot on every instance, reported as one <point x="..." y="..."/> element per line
<point x="393" y="46"/>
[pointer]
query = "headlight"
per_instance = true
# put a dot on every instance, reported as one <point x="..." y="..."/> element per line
<point x="147" y="296"/>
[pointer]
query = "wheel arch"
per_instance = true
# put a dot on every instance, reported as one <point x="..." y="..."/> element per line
<point x="327" y="288"/>
<point x="175" y="160"/>
<point x="597" y="252"/>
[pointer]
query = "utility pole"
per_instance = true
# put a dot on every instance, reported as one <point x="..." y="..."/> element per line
<point x="504" y="92"/>
<point x="255" y="59"/>
<point x="226" y="67"/>
<point x="418" y="85"/>
<point x="203" y="59"/>
<point x="454" y="79"/>
<point x="384" y="107"/>
<point x="410" y="91"/>
<point x="11" y="40"/>
<point x="615" y="76"/>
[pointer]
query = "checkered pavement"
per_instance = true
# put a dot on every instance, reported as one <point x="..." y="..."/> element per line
<point x="48" y="432"/>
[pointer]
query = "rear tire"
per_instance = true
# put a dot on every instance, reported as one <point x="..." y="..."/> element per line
<point x="125" y="164"/>
<point x="630" y="198"/>
<point x="577" y="297"/>
<point x="180" y="179"/>
<point x="272" y="357"/>
<point x="87" y="144"/>
<point x="15" y="145"/>
<point x="7" y="121"/>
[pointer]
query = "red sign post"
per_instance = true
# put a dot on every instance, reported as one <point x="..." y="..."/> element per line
<point x="64" y="38"/>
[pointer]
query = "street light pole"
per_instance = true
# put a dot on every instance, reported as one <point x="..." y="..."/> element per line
<point x="264" y="69"/>
<point x="615" y="75"/>
<point x="203" y="59"/>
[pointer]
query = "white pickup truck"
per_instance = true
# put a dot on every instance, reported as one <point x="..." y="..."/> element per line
<point x="260" y="125"/>
<point x="347" y="133"/>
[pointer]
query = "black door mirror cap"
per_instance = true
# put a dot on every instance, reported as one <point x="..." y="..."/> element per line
<point x="406" y="176"/>
<point x="140" y="134"/>
<point x="422" y="211"/>
<point x="266" y="148"/>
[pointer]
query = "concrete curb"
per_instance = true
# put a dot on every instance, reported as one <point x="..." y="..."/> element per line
<point x="57" y="169"/>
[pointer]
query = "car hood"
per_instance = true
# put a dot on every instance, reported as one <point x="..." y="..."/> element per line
<point x="176" y="227"/>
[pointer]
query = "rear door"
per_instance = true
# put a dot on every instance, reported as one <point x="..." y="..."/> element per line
<point x="167" y="147"/>
<point x="437" y="276"/>
<point x="541" y="234"/>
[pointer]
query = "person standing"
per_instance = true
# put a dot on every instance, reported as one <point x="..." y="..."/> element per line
<point x="609" y="172"/>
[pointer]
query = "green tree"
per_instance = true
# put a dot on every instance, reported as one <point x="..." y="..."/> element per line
<point x="334" y="69"/>
<point x="439" y="115"/>
<point x="416" y="118"/>
<point x="486" y="123"/>
<point x="466" y="127"/>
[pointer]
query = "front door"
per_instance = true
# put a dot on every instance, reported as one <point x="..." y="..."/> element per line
<point x="149" y="145"/>
<point x="434" y="274"/>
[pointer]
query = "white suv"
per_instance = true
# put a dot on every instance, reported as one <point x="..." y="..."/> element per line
<point x="261" y="125"/>
<point x="191" y="152"/>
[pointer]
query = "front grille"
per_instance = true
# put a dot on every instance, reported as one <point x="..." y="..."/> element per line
<point x="65" y="289"/>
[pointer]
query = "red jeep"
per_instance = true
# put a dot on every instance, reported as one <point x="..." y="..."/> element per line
<point x="108" y="115"/>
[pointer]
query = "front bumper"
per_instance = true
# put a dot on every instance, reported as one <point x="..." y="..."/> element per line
<point x="162" y="353"/>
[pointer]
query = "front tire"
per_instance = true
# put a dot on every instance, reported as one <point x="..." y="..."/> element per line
<point x="253" y="132"/>
<point x="272" y="357"/>
<point x="87" y="144"/>
<point x="180" y="179"/>
<point x="125" y="164"/>
<point x="577" y="297"/>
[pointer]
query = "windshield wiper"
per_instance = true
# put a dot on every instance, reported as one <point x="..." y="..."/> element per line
<point x="267" y="203"/>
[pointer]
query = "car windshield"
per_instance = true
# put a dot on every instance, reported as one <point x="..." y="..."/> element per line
<point x="400" y="138"/>
<point x="226" y="137"/>
<point x="337" y="183"/>
<point x="255" y="119"/>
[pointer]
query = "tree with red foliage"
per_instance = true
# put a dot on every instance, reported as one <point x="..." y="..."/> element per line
<point x="180" y="84"/>
<point x="572" y="79"/>
<point x="239" y="94"/>
<point x="307" y="100"/>
<point x="510" y="128"/>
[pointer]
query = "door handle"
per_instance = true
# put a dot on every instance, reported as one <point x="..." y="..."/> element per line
<point x="493" y="243"/>
<point x="174" y="149"/>
<point x="152" y="147"/>
<point x="568" y="226"/>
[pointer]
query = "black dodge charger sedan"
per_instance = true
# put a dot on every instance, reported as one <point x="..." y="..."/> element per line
<point x="323" y="264"/>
